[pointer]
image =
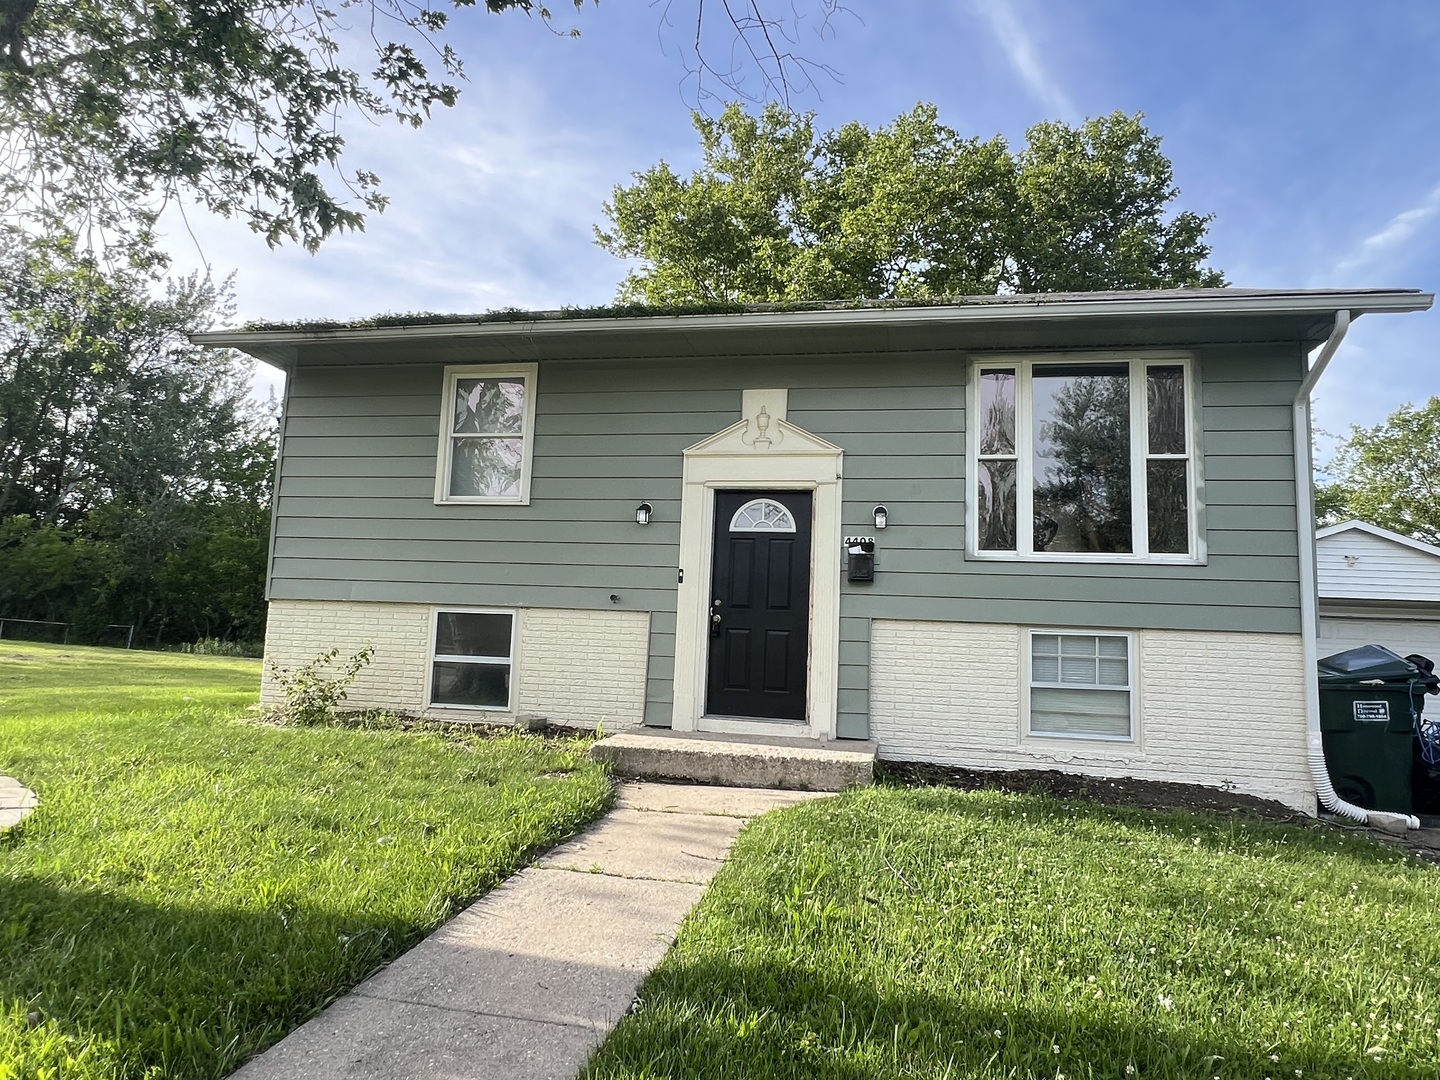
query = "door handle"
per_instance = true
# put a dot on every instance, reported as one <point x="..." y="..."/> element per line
<point x="715" y="625"/>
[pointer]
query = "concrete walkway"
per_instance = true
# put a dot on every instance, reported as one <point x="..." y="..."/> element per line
<point x="16" y="802"/>
<point x="525" y="983"/>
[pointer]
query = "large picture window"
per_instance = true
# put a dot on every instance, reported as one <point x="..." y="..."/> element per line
<point x="1080" y="685"/>
<point x="473" y="659"/>
<point x="1076" y="459"/>
<point x="486" y="427"/>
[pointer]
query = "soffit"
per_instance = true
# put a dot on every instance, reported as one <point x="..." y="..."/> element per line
<point x="1183" y="319"/>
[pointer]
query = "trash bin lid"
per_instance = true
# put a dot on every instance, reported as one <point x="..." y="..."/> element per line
<point x="1366" y="663"/>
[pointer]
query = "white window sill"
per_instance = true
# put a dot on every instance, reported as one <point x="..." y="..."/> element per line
<point x="480" y="500"/>
<point x="1041" y="738"/>
<point x="490" y="711"/>
<point x="1074" y="557"/>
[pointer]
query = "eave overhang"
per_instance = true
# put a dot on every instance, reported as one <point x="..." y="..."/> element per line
<point x="1178" y="317"/>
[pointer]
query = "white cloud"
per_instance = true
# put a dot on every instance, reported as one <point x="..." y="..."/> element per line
<point x="1014" y="38"/>
<point x="1385" y="242"/>
<point x="492" y="205"/>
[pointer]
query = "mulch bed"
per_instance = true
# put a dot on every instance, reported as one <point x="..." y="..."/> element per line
<point x="1128" y="791"/>
<point x="1109" y="791"/>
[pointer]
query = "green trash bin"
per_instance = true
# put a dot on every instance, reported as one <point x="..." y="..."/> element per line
<point x="1369" y="699"/>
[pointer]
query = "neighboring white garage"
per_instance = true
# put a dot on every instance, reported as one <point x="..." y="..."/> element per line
<point x="1377" y="587"/>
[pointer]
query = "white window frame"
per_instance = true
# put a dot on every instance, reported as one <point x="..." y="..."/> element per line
<point x="1132" y="686"/>
<point x="526" y="373"/>
<point x="1024" y="365"/>
<point x="512" y="661"/>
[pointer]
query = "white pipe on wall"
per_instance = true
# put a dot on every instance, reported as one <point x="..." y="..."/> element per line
<point x="1309" y="596"/>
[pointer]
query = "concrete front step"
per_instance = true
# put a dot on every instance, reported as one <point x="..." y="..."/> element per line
<point x="738" y="760"/>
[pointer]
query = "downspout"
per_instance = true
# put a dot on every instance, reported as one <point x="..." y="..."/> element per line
<point x="1310" y="599"/>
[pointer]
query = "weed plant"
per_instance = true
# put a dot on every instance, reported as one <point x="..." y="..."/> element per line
<point x="314" y="691"/>
<point x="937" y="933"/>
<point x="219" y="647"/>
<point x="195" y="884"/>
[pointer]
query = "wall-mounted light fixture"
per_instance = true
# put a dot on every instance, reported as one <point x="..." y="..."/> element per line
<point x="882" y="517"/>
<point x="642" y="513"/>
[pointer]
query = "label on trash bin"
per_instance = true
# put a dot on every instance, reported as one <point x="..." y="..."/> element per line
<point x="1372" y="712"/>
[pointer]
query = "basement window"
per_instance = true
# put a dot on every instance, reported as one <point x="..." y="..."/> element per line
<point x="1081" y="685"/>
<point x="472" y="659"/>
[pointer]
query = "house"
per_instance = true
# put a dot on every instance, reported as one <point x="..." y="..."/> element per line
<point x="1377" y="587"/>
<point x="1054" y="531"/>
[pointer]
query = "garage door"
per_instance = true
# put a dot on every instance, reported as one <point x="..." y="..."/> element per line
<point x="1403" y="636"/>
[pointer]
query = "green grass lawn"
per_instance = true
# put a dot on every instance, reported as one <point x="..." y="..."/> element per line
<point x="938" y="933"/>
<point x="195" y="884"/>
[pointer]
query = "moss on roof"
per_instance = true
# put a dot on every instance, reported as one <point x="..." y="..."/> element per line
<point x="512" y="314"/>
<point x="641" y="311"/>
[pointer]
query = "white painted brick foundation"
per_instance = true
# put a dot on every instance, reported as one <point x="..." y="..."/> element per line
<point x="298" y="630"/>
<point x="572" y="666"/>
<point x="1221" y="709"/>
<point x="584" y="667"/>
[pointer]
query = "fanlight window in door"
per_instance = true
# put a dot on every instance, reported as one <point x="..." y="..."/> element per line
<point x="762" y="515"/>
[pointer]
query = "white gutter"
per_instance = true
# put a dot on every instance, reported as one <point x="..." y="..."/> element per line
<point x="1042" y="306"/>
<point x="1310" y="600"/>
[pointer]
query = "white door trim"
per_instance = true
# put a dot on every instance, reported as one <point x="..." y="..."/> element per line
<point x="759" y="453"/>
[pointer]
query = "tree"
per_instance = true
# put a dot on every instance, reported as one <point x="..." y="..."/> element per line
<point x="102" y="397"/>
<point x="110" y="110"/>
<point x="135" y="470"/>
<point x="1387" y="474"/>
<point x="913" y="210"/>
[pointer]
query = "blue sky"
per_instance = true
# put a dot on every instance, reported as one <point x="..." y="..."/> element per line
<point x="1307" y="128"/>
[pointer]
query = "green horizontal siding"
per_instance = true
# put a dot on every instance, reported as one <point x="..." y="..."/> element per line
<point x="1069" y="591"/>
<point x="421" y="507"/>
<point x="374" y="552"/>
<point x="472" y="591"/>
<point x="357" y="518"/>
<point x="1248" y="467"/>
<point x="1230" y="385"/>
<point x="383" y="530"/>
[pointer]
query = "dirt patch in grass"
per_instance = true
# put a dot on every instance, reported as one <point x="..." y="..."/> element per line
<point x="1109" y="791"/>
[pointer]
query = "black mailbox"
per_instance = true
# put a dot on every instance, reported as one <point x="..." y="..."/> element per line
<point x="860" y="562"/>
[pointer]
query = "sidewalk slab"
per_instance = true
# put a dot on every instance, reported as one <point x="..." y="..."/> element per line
<point x="703" y="799"/>
<point x="664" y="847"/>
<point x="361" y="1038"/>
<point x="17" y="802"/>
<point x="526" y="982"/>
<point x="546" y="945"/>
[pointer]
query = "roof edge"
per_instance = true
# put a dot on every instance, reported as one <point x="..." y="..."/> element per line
<point x="1040" y="307"/>
<point x="1355" y="525"/>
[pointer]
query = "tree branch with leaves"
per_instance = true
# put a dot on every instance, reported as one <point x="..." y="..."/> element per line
<point x="1388" y="475"/>
<point x="111" y="110"/>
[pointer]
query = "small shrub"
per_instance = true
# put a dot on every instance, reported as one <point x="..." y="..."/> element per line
<point x="312" y="695"/>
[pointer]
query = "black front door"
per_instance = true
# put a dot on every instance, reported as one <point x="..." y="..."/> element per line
<point x="760" y="605"/>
